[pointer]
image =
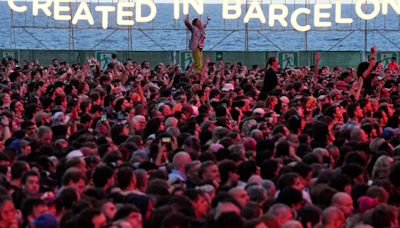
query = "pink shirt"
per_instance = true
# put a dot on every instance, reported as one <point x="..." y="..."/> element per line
<point x="198" y="35"/>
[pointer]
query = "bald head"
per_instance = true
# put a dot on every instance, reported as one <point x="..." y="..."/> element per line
<point x="225" y="207"/>
<point x="257" y="134"/>
<point x="292" y="224"/>
<point x="333" y="217"/>
<point x="340" y="198"/>
<point x="240" y="195"/>
<point x="363" y="226"/>
<point x="180" y="160"/>
<point x="344" y="202"/>
<point x="281" y="212"/>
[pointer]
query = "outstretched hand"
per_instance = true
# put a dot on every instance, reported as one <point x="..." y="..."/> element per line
<point x="317" y="57"/>
<point x="373" y="49"/>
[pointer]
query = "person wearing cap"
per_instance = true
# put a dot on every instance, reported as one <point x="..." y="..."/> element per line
<point x="25" y="147"/>
<point x="258" y="112"/>
<point x="46" y="220"/>
<point x="228" y="87"/>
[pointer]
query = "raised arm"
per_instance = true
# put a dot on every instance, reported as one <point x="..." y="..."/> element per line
<point x="171" y="82"/>
<point x="187" y="23"/>
<point x="189" y="71"/>
<point x="316" y="70"/>
<point x="6" y="126"/>
<point x="220" y="75"/>
<point x="371" y="62"/>
<point x="204" y="71"/>
<point x="205" y="23"/>
<point x="360" y="86"/>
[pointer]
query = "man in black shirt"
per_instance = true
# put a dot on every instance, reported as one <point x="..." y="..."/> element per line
<point x="270" y="78"/>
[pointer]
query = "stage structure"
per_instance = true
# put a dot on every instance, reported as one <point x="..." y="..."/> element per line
<point x="164" y="33"/>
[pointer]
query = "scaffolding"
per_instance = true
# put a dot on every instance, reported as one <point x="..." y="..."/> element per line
<point x="31" y="25"/>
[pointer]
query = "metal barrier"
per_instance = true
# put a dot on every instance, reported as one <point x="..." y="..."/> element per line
<point x="184" y="58"/>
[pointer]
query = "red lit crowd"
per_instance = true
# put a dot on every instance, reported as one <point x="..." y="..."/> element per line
<point x="142" y="145"/>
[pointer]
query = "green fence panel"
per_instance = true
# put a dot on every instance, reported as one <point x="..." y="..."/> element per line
<point x="385" y="57"/>
<point x="46" y="56"/>
<point x="10" y="54"/>
<point x="165" y="57"/>
<point x="343" y="59"/>
<point x="287" y="58"/>
<point x="306" y="58"/>
<point x="247" y="58"/>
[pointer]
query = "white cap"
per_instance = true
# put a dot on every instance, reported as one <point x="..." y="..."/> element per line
<point x="74" y="154"/>
<point x="228" y="87"/>
<point x="59" y="118"/>
<point x="259" y="111"/>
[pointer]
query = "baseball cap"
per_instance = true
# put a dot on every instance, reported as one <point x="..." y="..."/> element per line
<point x="59" y="118"/>
<point x="259" y="111"/>
<point x="46" y="220"/>
<point x="228" y="87"/>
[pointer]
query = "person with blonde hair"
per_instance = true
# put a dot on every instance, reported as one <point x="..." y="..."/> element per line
<point x="381" y="167"/>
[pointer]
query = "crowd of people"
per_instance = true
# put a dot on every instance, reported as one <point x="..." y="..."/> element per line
<point x="228" y="145"/>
